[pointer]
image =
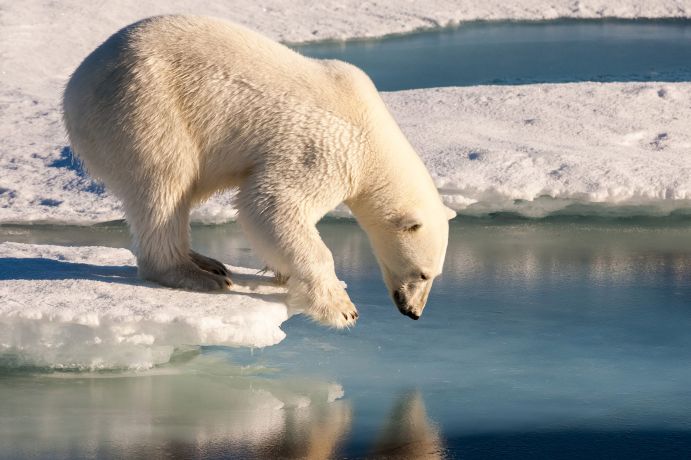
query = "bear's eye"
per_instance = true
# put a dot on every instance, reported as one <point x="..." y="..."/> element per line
<point x="413" y="228"/>
<point x="424" y="276"/>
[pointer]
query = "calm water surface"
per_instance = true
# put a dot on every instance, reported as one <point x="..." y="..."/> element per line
<point x="522" y="52"/>
<point x="551" y="339"/>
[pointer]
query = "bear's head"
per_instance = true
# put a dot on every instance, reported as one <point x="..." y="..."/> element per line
<point x="410" y="248"/>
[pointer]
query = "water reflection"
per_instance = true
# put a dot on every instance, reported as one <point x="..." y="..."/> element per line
<point x="409" y="433"/>
<point x="201" y="408"/>
<point x="542" y="338"/>
<point x="527" y="252"/>
<point x="314" y="432"/>
<point x="531" y="253"/>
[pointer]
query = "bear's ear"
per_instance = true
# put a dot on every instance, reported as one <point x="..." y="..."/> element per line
<point x="408" y="222"/>
<point x="450" y="213"/>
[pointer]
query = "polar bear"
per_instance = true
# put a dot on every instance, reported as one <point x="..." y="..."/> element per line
<point x="172" y="109"/>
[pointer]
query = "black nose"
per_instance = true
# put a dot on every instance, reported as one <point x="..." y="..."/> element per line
<point x="411" y="315"/>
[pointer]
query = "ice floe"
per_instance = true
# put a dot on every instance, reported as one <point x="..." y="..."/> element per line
<point x="84" y="307"/>
<point x="614" y="148"/>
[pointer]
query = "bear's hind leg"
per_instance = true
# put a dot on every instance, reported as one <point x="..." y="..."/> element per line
<point x="163" y="248"/>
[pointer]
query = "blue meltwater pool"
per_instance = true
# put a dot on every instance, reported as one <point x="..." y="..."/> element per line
<point x="556" y="338"/>
<point x="509" y="53"/>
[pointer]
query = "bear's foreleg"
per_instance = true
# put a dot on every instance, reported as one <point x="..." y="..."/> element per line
<point x="325" y="301"/>
<point x="283" y="236"/>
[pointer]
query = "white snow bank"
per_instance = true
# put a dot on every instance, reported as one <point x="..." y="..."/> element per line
<point x="42" y="42"/>
<point x="537" y="149"/>
<point x="85" y="307"/>
<point x="533" y="149"/>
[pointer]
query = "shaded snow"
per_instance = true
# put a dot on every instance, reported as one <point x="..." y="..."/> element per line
<point x="85" y="307"/>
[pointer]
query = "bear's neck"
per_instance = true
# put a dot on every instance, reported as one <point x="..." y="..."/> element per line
<point x="392" y="179"/>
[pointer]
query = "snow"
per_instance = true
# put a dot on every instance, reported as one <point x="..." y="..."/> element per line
<point x="84" y="307"/>
<point x="614" y="148"/>
<point x="547" y="146"/>
<point x="538" y="149"/>
<point x="59" y="34"/>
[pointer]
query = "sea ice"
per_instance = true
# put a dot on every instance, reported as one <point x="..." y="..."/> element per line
<point x="84" y="307"/>
<point x="619" y="148"/>
<point x="529" y="149"/>
<point x="533" y="149"/>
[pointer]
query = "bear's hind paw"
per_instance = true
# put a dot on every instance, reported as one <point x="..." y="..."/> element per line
<point x="208" y="264"/>
<point x="192" y="278"/>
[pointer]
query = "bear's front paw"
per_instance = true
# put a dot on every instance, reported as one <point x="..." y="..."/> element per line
<point x="331" y="307"/>
<point x="339" y="314"/>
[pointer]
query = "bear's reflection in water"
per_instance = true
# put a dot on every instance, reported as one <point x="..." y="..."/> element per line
<point x="320" y="433"/>
<point x="409" y="433"/>
<point x="204" y="408"/>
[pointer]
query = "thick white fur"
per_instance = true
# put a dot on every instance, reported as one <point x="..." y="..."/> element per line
<point x="171" y="109"/>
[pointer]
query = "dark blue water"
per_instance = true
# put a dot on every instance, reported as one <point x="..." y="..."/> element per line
<point x="543" y="339"/>
<point x="519" y="53"/>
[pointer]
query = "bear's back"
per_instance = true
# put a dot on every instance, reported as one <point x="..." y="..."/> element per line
<point x="208" y="62"/>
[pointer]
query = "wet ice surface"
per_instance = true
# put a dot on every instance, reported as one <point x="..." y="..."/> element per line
<point x="542" y="340"/>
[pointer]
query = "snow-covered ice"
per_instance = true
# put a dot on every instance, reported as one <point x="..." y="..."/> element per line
<point x="536" y="149"/>
<point x="84" y="307"/>
<point x="490" y="148"/>
<point x="532" y="149"/>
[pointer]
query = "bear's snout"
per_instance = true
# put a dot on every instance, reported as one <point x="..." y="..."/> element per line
<point x="399" y="298"/>
<point x="401" y="301"/>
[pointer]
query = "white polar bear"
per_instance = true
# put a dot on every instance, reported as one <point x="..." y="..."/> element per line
<point x="171" y="109"/>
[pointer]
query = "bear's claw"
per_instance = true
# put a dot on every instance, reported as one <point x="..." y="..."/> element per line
<point x="190" y="277"/>
<point x="210" y="265"/>
<point x="331" y="317"/>
<point x="281" y="279"/>
<point x="338" y="314"/>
